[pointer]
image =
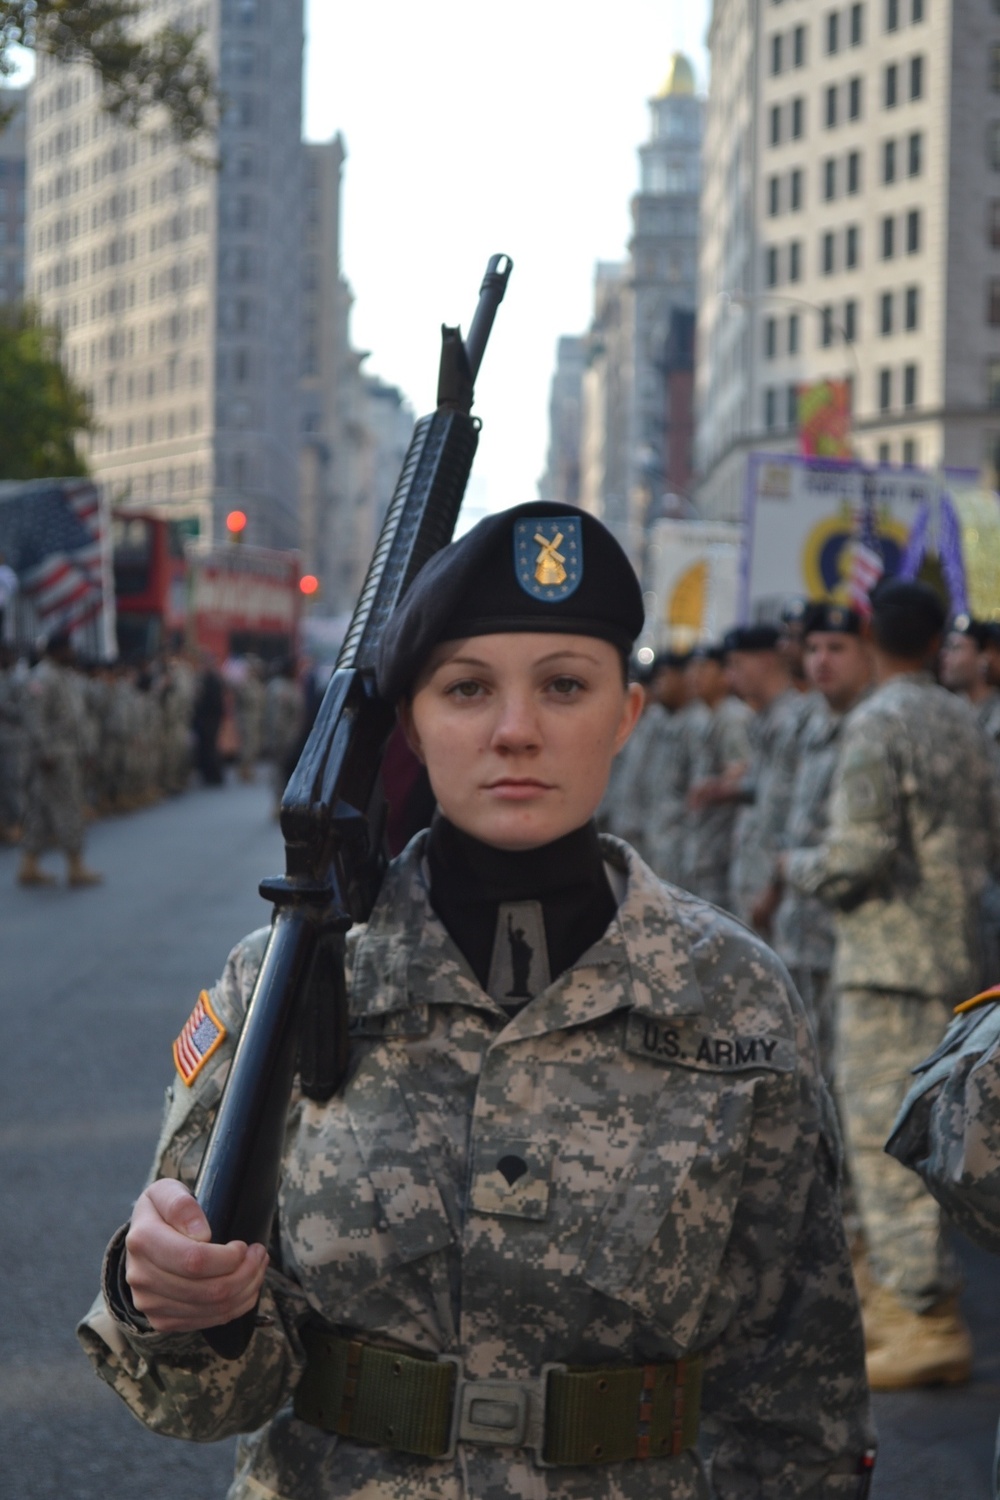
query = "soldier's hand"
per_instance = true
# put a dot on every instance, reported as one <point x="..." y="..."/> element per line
<point x="177" y="1277"/>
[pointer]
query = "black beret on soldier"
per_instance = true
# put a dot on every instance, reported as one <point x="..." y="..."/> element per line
<point x="834" y="619"/>
<point x="752" y="638"/>
<point x="538" y="567"/>
<point x="976" y="630"/>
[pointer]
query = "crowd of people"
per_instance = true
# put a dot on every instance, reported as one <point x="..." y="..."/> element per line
<point x="834" y="782"/>
<point x="83" y="740"/>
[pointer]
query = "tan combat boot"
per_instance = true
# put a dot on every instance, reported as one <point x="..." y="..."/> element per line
<point x="916" y="1349"/>
<point x="31" y="872"/>
<point x="78" y="874"/>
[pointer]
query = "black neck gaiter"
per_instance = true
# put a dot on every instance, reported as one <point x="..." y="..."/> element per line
<point x="520" y="917"/>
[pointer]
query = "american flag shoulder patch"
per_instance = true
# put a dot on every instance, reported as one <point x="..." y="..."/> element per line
<point x="203" y="1034"/>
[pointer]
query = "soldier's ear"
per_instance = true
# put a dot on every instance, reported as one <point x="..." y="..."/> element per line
<point x="404" y="716"/>
<point x="635" y="700"/>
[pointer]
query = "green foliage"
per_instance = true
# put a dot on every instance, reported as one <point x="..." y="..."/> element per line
<point x="41" y="410"/>
<point x="141" y="74"/>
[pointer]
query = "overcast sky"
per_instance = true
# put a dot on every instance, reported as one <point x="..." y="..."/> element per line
<point x="472" y="129"/>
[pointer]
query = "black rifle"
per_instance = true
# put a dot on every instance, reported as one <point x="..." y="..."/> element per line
<point x="332" y="818"/>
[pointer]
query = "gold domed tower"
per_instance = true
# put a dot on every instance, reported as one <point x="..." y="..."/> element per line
<point x="679" y="79"/>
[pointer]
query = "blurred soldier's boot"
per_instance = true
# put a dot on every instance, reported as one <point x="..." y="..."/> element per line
<point x="908" y="1349"/>
<point x="78" y="873"/>
<point x="31" y="872"/>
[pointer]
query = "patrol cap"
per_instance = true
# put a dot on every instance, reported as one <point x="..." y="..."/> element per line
<point x="537" y="567"/>
<point x="751" y="638"/>
<point x="707" y="651"/>
<point x="834" y="618"/>
<point x="976" y="630"/>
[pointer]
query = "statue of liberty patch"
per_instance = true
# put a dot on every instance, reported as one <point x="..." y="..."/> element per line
<point x="519" y="967"/>
<point x="548" y="556"/>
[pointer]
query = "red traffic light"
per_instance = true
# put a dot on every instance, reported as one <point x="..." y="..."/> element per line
<point x="309" y="584"/>
<point x="236" y="522"/>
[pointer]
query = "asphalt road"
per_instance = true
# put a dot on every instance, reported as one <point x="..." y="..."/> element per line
<point x="94" y="986"/>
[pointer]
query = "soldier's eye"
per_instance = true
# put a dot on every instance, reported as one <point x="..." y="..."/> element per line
<point x="566" y="687"/>
<point x="467" y="688"/>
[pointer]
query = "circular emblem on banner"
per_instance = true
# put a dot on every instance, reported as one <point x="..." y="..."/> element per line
<point x="548" y="556"/>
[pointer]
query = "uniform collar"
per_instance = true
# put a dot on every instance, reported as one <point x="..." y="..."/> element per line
<point x="642" y="962"/>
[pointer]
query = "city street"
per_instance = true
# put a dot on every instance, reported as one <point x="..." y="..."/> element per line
<point x="96" y="984"/>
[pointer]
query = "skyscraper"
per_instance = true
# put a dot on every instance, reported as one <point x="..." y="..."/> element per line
<point x="176" y="282"/>
<point x="13" y="205"/>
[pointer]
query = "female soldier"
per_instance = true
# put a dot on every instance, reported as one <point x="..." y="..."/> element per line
<point x="572" y="1223"/>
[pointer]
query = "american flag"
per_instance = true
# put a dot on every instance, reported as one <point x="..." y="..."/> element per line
<point x="50" y="534"/>
<point x="203" y="1033"/>
<point x="867" y="564"/>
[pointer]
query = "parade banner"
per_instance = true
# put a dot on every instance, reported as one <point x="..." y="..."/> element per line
<point x="694" y="576"/>
<point x="825" y="419"/>
<point x="803" y="520"/>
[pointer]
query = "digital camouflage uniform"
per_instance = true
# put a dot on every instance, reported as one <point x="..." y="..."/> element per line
<point x="914" y="827"/>
<point x="57" y="739"/>
<point x="708" y="837"/>
<point x="678" y="1194"/>
<point x="13" y="688"/>
<point x="988" y="714"/>
<point x="804" y="932"/>
<point x="948" y="1130"/>
<point x="669" y="779"/>
<point x="767" y="789"/>
<point x="624" y="810"/>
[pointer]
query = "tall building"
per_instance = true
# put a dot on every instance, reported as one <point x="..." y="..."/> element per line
<point x="177" y="283"/>
<point x="850" y="230"/>
<point x="355" y="428"/>
<point x="13" y="198"/>
<point x="561" y="480"/>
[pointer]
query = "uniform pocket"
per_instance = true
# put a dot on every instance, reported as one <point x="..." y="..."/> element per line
<point x="659" y="1241"/>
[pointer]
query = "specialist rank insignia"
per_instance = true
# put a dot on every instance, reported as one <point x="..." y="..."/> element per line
<point x="548" y="556"/>
<point x="203" y="1033"/>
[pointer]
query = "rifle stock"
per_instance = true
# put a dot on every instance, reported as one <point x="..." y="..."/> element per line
<point x="331" y="820"/>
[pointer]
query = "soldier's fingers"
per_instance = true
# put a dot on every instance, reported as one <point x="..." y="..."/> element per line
<point x="178" y="1207"/>
<point x="152" y="1240"/>
<point x="200" y="1303"/>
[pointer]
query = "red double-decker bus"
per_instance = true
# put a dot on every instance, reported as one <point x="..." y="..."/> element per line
<point x="230" y="600"/>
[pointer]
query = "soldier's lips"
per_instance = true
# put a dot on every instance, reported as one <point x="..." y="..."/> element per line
<point x="511" y="789"/>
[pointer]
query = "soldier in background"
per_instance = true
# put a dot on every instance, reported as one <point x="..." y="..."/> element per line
<point x="57" y="740"/>
<point x="176" y="694"/>
<point x="914" y="829"/>
<point x="206" y="720"/>
<point x="284" y="706"/>
<point x="721" y="760"/>
<point x="668" y="770"/>
<point x="12" y="745"/>
<point x="249" y="698"/>
<point x="626" y="800"/>
<point x="965" y="669"/>
<point x="838" y="666"/>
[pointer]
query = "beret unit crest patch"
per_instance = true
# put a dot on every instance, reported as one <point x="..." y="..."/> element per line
<point x="548" y="556"/>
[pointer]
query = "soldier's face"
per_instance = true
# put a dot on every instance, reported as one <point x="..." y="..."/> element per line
<point x="961" y="668"/>
<point x="518" y="732"/>
<point x="838" y="665"/>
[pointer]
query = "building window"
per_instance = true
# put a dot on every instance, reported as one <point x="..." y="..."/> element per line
<point x="857" y="33"/>
<point x="891" y="87"/>
<point x="909" y="453"/>
<point x="826" y="327"/>
<point x="832" y="31"/>
<point x="798" y="119"/>
<point x="854" y="99"/>
<point x="995" y="67"/>
<point x="851" y="247"/>
<point x="912" y="316"/>
<point x="909" y="386"/>
<point x="891" y="15"/>
<point x="770" y="337"/>
<point x="853" y="171"/>
<point x="770" y="409"/>
<point x="885" y="313"/>
<point x="793" y="333"/>
<point x="771" y="265"/>
<point x="795" y="189"/>
<point x="913" y="231"/>
<point x="915" y="153"/>
<point x="827" y="254"/>
<point x="888" y="238"/>
<point x="884" y="453"/>
<point x="792" y="406"/>
<point x="993" y="382"/>
<point x="993" y="223"/>
<point x="799" y="46"/>
<point x="775" y="124"/>
<point x="795" y="261"/>
<point x="850" y="321"/>
<point x="889" y="161"/>
<point x="993" y="301"/>
<point x="831" y="106"/>
<point x="773" y="196"/>
<point x="917" y="12"/>
<point x="916" y="77"/>
<point x="776" y="53"/>
<point x="993" y="144"/>
<point x="829" y="178"/>
<point x="884" y="390"/>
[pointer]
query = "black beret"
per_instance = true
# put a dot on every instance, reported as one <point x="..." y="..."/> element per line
<point x="992" y="633"/>
<point x="672" y="660"/>
<point x="976" y="630"/>
<point x="834" y="618"/>
<point x="897" y="596"/>
<point x="751" y="638"/>
<point x="706" y="651"/>
<point x="536" y="567"/>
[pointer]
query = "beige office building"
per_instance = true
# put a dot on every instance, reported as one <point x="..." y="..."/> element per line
<point x="177" y="284"/>
<point x="850" y="229"/>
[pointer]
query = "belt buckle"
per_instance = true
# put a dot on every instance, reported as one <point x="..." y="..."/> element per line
<point x="504" y="1413"/>
<point x="555" y="1368"/>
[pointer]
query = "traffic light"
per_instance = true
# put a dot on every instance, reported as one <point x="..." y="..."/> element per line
<point x="309" y="585"/>
<point x="236" y="524"/>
